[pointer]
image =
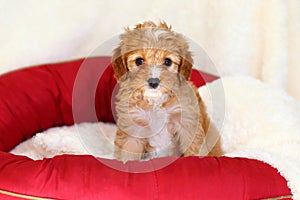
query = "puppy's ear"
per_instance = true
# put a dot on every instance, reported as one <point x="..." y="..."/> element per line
<point x="186" y="65"/>
<point x="119" y="63"/>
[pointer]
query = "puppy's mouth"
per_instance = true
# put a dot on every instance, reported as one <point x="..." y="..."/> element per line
<point x="156" y="97"/>
<point x="152" y="93"/>
<point x="153" y="89"/>
<point x="150" y="98"/>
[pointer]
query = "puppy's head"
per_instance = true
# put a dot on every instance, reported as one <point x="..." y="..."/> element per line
<point x="153" y="57"/>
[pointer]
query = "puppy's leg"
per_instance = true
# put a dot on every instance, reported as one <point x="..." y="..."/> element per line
<point x="128" y="147"/>
<point x="190" y="141"/>
<point x="174" y="123"/>
<point x="173" y="127"/>
<point x="195" y="145"/>
<point x="196" y="134"/>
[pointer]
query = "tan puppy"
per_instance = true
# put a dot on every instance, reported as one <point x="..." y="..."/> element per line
<point x="160" y="112"/>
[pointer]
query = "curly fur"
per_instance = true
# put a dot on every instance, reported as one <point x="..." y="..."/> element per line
<point x="170" y="120"/>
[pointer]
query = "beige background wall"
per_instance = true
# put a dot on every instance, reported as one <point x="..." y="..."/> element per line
<point x="260" y="38"/>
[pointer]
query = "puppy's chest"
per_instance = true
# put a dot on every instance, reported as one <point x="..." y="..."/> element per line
<point x="159" y="137"/>
<point x="156" y="129"/>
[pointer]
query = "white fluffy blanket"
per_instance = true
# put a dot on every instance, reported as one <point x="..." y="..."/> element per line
<point x="254" y="120"/>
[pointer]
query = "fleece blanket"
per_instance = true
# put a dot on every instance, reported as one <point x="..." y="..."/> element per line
<point x="252" y="119"/>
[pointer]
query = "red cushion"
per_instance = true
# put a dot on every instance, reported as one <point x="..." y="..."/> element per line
<point x="84" y="177"/>
<point x="45" y="96"/>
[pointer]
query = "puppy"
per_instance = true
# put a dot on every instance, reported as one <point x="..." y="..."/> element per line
<point x="159" y="112"/>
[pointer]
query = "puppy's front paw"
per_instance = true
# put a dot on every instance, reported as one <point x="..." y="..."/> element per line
<point x="125" y="156"/>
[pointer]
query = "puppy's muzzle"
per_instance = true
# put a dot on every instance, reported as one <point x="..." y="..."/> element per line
<point x="153" y="82"/>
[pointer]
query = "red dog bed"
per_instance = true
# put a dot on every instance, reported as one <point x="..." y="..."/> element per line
<point x="37" y="98"/>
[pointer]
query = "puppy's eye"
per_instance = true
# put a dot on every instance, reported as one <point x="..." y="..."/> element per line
<point x="139" y="61"/>
<point x="167" y="62"/>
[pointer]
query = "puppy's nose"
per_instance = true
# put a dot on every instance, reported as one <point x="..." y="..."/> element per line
<point x="153" y="82"/>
